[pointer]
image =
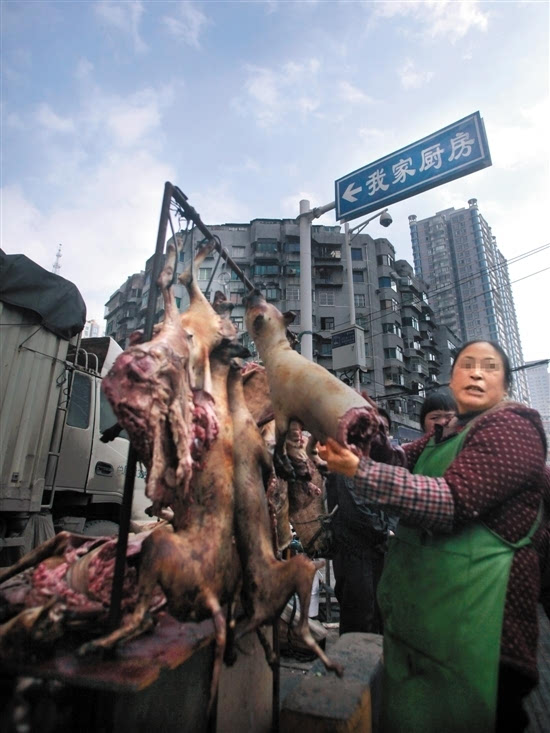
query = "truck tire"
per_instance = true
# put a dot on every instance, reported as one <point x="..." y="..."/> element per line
<point x="100" y="528"/>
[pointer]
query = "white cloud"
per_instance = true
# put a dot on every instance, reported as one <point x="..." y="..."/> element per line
<point x="188" y="24"/>
<point x="52" y="122"/>
<point x="107" y="231"/>
<point x="124" y="17"/>
<point x="352" y="94"/>
<point x="524" y="141"/>
<point x="270" y="91"/>
<point x="411" y="78"/>
<point x="128" y="120"/>
<point x="451" y="19"/>
<point x="217" y="204"/>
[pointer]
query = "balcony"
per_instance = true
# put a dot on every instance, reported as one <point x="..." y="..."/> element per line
<point x="410" y="301"/>
<point x="329" y="278"/>
<point x="328" y="255"/>
<point x="263" y="271"/>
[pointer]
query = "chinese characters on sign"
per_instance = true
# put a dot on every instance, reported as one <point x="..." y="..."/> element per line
<point x="454" y="151"/>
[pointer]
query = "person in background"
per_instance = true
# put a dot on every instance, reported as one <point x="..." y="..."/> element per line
<point x="360" y="536"/>
<point x="461" y="580"/>
<point x="438" y="409"/>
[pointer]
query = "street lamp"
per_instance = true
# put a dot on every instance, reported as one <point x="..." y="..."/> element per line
<point x="385" y="221"/>
<point x="304" y="219"/>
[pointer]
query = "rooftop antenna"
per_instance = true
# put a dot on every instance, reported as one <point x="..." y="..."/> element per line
<point x="56" y="266"/>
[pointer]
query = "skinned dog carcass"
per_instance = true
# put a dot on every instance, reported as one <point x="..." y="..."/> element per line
<point x="196" y="566"/>
<point x="149" y="389"/>
<point x="268" y="583"/>
<point x="64" y="585"/>
<point x="305" y="391"/>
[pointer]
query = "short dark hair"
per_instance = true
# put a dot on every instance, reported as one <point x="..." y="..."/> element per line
<point x="384" y="413"/>
<point x="440" y="400"/>
<point x="500" y="351"/>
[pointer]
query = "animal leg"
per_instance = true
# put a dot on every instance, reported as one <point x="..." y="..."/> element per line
<point x="135" y="624"/>
<point x="281" y="462"/>
<point x="304" y="580"/>
<point x="294" y="445"/>
<point x="230" y="656"/>
<point x="54" y="546"/>
<point x="270" y="655"/>
<point x="313" y="453"/>
<point x="220" y="628"/>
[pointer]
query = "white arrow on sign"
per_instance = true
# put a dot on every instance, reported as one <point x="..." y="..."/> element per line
<point x="349" y="193"/>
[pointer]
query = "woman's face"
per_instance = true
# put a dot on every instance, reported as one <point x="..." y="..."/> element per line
<point x="437" y="417"/>
<point x="477" y="379"/>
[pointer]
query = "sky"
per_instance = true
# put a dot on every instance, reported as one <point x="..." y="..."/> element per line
<point x="249" y="107"/>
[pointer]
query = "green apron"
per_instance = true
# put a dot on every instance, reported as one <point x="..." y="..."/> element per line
<point x="442" y="601"/>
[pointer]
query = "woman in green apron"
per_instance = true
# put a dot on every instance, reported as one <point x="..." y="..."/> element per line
<point x="460" y="585"/>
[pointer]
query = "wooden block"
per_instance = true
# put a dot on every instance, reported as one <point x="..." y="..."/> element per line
<point x="324" y="703"/>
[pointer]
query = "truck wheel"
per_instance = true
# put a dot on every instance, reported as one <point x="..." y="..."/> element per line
<point x="100" y="528"/>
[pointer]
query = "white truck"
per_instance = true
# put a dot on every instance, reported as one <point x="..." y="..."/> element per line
<point x="55" y="473"/>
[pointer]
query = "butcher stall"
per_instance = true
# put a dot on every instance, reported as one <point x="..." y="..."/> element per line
<point x="169" y="626"/>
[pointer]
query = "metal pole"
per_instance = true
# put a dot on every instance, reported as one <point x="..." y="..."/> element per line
<point x="126" y="508"/>
<point x="190" y="213"/>
<point x="306" y="317"/>
<point x="349" y="266"/>
<point x="351" y="294"/>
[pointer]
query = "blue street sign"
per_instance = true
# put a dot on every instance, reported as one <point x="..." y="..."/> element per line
<point x="454" y="151"/>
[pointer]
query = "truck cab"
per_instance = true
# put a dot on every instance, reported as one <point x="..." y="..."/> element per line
<point x="88" y="482"/>
<point x="55" y="472"/>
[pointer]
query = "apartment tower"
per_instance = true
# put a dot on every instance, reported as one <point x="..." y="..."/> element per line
<point x="457" y="256"/>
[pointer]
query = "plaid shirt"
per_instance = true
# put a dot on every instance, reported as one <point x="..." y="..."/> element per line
<point x="496" y="478"/>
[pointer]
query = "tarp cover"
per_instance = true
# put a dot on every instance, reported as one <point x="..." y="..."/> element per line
<point x="57" y="302"/>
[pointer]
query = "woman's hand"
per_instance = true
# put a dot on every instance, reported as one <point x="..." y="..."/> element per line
<point x="338" y="458"/>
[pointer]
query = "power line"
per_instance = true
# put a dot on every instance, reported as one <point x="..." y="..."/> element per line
<point x="468" y="279"/>
<point x="428" y="389"/>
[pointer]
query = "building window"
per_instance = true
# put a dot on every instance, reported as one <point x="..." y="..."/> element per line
<point x="396" y="352"/>
<point x="325" y="348"/>
<point x="356" y="253"/>
<point x="359" y="300"/>
<point x="358" y="276"/>
<point x="326" y="297"/>
<point x="387" y="282"/>
<point x="411" y="321"/>
<point x="267" y="246"/>
<point x="272" y="294"/>
<point x="237" y="322"/>
<point x="238" y="251"/>
<point x="389" y="304"/>
<point x="293" y="292"/>
<point x="327" y="324"/>
<point x="385" y="260"/>
<point x="265" y="270"/>
<point x="204" y="273"/>
<point x="392" y="328"/>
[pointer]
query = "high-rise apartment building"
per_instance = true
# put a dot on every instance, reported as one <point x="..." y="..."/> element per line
<point x="122" y="309"/>
<point x="456" y="254"/>
<point x="92" y="329"/>
<point x="538" y="379"/>
<point x="403" y="359"/>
